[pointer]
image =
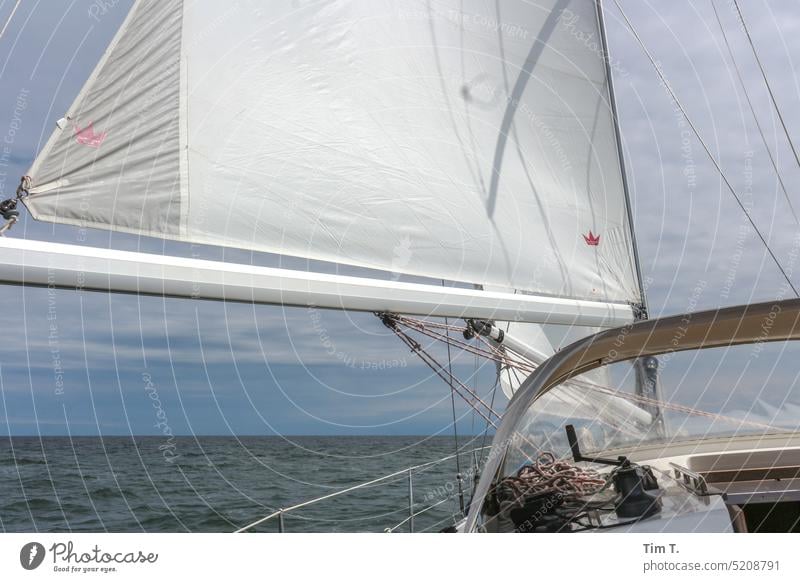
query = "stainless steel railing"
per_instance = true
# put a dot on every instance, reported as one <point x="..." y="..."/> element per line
<point x="412" y="511"/>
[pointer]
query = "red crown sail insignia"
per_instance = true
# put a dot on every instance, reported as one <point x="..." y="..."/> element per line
<point x="592" y="239"/>
<point x="88" y="137"/>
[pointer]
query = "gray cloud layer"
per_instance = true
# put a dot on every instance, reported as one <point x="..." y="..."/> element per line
<point x="294" y="371"/>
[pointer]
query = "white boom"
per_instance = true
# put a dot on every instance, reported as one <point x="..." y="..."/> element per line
<point x="64" y="266"/>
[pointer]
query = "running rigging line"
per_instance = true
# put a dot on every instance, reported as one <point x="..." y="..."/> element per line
<point x="766" y="82"/>
<point x="459" y="387"/>
<point x="714" y="161"/>
<point x="753" y="111"/>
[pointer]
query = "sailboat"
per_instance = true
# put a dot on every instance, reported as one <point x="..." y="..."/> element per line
<point x="429" y="141"/>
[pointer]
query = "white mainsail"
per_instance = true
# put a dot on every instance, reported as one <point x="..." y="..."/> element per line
<point x="572" y="399"/>
<point x="458" y="140"/>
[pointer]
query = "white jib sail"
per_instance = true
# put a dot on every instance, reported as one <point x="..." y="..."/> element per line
<point x="459" y="140"/>
<point x="574" y="398"/>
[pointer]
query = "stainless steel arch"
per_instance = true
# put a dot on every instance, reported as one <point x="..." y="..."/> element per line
<point x="757" y="323"/>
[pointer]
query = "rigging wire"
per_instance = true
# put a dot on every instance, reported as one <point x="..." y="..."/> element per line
<point x="501" y="357"/>
<point x="428" y="328"/>
<point x="475" y="366"/>
<point x="8" y="20"/>
<point x="753" y="112"/>
<point x="714" y="161"/>
<point x="491" y="403"/>
<point x="440" y="370"/>
<point x="767" y="83"/>
<point x="497" y="383"/>
<point x="452" y="397"/>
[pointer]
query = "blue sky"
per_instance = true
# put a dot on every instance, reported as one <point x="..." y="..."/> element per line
<point x="223" y="369"/>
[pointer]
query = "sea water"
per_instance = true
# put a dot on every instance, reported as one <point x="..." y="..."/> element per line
<point x="217" y="484"/>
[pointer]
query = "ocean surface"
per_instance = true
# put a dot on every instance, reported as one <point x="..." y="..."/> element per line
<point x="218" y="484"/>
